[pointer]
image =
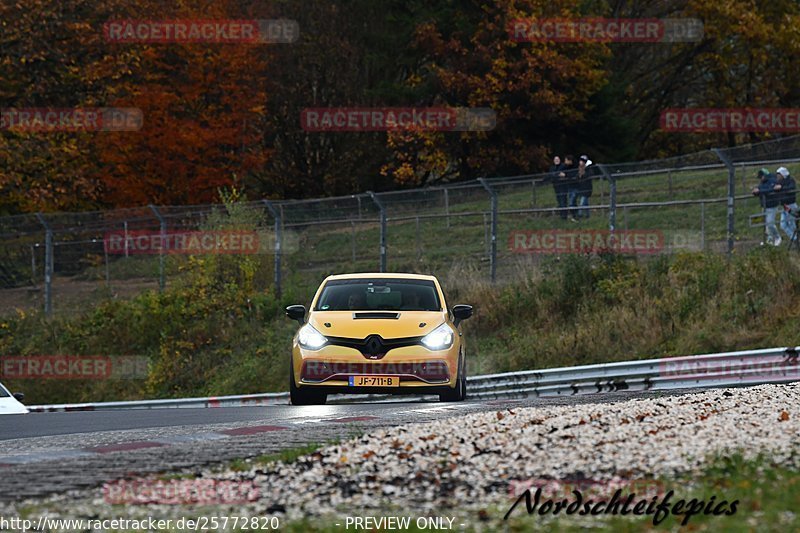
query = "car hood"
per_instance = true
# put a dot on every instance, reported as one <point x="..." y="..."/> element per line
<point x="407" y="323"/>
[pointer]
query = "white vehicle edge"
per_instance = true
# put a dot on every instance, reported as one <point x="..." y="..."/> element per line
<point x="9" y="405"/>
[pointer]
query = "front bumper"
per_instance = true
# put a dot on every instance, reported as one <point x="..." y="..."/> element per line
<point x="417" y="367"/>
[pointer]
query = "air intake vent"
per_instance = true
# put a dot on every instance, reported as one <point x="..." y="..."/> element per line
<point x="376" y="314"/>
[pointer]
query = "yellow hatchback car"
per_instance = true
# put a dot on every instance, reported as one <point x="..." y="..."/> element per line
<point x="378" y="333"/>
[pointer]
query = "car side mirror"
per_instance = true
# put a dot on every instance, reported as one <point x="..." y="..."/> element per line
<point x="297" y="312"/>
<point x="19" y="396"/>
<point x="461" y="312"/>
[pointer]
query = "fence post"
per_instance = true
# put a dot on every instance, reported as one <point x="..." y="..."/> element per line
<point x="731" y="194"/>
<point x="48" y="265"/>
<point x="612" y="198"/>
<point x="493" y="238"/>
<point x="744" y="176"/>
<point x="382" y="209"/>
<point x="163" y="234"/>
<point x="278" y="244"/>
<point x="447" y="205"/>
<point x="125" y="225"/>
<point x="105" y="258"/>
<point x="33" y="265"/>
<point x="703" y="226"/>
<point x="416" y="238"/>
<point x="669" y="177"/>
<point x="353" y="242"/>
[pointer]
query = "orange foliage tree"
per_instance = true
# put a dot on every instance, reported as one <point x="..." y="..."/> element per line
<point x="203" y="111"/>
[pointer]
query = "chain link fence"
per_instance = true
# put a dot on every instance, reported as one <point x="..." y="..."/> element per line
<point x="62" y="262"/>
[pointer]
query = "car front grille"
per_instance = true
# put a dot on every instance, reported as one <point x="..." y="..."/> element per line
<point x="426" y="371"/>
<point x="374" y="346"/>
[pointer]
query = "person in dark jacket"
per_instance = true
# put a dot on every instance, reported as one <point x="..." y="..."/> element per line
<point x="583" y="185"/>
<point x="559" y="185"/>
<point x="568" y="172"/>
<point x="788" y="197"/>
<point x="770" y="200"/>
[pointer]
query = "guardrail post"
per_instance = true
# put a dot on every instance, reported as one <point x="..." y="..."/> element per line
<point x="612" y="197"/>
<point x="278" y="244"/>
<point x="493" y="241"/>
<point x="48" y="265"/>
<point x="731" y="194"/>
<point x="163" y="234"/>
<point x="382" y="209"/>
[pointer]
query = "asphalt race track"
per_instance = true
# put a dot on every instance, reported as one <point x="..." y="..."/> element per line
<point x="45" y="453"/>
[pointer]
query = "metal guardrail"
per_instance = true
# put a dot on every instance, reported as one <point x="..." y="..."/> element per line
<point x="241" y="400"/>
<point x="729" y="369"/>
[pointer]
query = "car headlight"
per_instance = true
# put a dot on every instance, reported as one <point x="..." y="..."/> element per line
<point x="310" y="338"/>
<point x="439" y="339"/>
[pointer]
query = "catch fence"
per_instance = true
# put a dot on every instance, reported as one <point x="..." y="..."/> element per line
<point x="61" y="262"/>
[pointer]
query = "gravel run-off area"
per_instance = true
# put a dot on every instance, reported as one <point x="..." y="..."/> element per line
<point x="476" y="461"/>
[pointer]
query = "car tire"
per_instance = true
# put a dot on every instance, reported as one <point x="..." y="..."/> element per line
<point x="459" y="393"/>
<point x="298" y="396"/>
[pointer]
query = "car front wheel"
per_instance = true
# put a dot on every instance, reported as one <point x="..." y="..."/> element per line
<point x="459" y="393"/>
<point x="298" y="396"/>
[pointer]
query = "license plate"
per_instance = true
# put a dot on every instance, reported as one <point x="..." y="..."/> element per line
<point x="374" y="381"/>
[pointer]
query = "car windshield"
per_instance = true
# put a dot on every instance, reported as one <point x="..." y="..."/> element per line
<point x="379" y="294"/>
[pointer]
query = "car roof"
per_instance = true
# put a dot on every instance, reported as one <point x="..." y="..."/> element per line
<point x="384" y="275"/>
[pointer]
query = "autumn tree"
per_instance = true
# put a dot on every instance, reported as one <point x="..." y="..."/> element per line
<point x="537" y="89"/>
<point x="747" y="57"/>
<point x="203" y="107"/>
<point x="53" y="57"/>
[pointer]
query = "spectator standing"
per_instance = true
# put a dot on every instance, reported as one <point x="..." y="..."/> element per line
<point x="569" y="172"/>
<point x="583" y="186"/>
<point x="770" y="200"/>
<point x="788" y="196"/>
<point x="559" y="185"/>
